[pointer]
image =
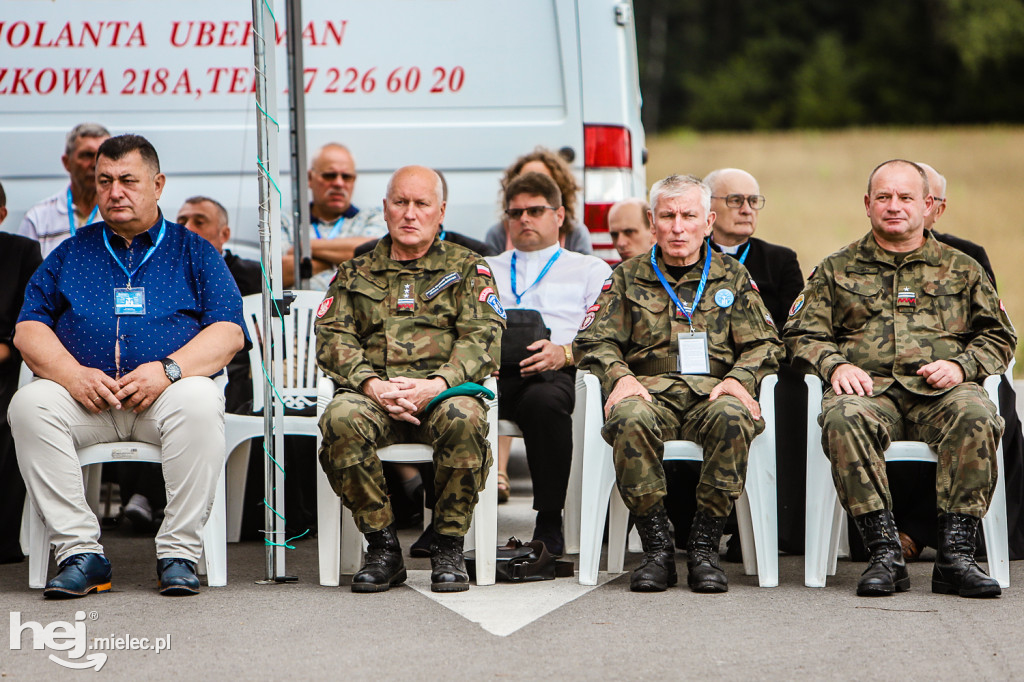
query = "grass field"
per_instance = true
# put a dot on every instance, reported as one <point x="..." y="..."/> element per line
<point x="815" y="183"/>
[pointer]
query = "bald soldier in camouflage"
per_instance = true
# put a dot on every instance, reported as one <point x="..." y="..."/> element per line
<point x="400" y="325"/>
<point x="630" y="341"/>
<point x="905" y="328"/>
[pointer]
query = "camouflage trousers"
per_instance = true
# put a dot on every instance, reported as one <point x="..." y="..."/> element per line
<point x="637" y="430"/>
<point x="962" y="426"/>
<point x="354" y="427"/>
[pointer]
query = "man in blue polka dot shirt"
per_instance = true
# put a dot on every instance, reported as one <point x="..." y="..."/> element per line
<point x="123" y="325"/>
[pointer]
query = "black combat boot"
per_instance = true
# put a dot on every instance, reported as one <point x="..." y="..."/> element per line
<point x="955" y="571"/>
<point x="704" y="574"/>
<point x="886" y="572"/>
<point x="382" y="565"/>
<point x="657" y="570"/>
<point x="447" y="565"/>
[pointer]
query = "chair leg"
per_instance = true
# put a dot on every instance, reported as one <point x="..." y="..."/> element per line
<point x="758" y="508"/>
<point x="236" y="472"/>
<point x="328" y="513"/>
<point x="484" y="528"/>
<point x="38" y="545"/>
<point x="618" y="524"/>
<point x="92" y="480"/>
<point x="822" y="519"/>
<point x="215" y="548"/>
<point x="994" y="523"/>
<point x="598" y="477"/>
<point x="352" y="542"/>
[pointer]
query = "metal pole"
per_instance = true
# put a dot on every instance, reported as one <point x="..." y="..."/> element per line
<point x="267" y="128"/>
<point x="297" y="139"/>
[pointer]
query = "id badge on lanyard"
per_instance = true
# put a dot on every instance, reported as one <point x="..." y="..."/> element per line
<point x="693" y="353"/>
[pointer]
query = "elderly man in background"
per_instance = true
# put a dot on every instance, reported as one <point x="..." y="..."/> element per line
<point x="53" y="220"/>
<point x="338" y="225"/>
<point x="630" y="228"/>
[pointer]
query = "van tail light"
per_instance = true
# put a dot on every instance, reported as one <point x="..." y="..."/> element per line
<point x="607" y="177"/>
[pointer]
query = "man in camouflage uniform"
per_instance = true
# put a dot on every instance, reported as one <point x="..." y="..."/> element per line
<point x="904" y="328"/>
<point x="631" y="340"/>
<point x="400" y="325"/>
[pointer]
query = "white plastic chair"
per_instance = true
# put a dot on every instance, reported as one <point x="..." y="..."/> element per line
<point x="756" y="508"/>
<point x="298" y="390"/>
<point x="825" y="515"/>
<point x="214" y="561"/>
<point x="339" y="541"/>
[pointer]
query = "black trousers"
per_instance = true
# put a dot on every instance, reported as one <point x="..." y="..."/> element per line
<point x="12" y="497"/>
<point x="542" y="407"/>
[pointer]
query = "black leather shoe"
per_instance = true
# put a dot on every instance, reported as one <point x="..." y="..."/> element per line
<point x="955" y="570"/>
<point x="550" y="533"/>
<point x="448" y="565"/>
<point x="177" y="577"/>
<point x="704" y="573"/>
<point x="657" y="570"/>
<point x="887" y="571"/>
<point x="79" y="575"/>
<point x="383" y="565"/>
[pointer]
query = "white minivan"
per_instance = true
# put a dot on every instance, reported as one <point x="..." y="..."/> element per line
<point x="464" y="86"/>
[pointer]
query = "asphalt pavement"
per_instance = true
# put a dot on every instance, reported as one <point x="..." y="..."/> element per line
<point x="532" y="631"/>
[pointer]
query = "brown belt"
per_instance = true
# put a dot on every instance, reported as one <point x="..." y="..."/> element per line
<point x="650" y="367"/>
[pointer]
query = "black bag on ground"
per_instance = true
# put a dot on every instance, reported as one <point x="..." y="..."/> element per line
<point x="519" y="562"/>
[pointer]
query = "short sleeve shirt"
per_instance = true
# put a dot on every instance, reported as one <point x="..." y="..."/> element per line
<point x="187" y="288"/>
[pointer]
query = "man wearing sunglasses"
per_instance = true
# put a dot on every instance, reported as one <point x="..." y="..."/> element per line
<point x="537" y="389"/>
<point x="338" y="226"/>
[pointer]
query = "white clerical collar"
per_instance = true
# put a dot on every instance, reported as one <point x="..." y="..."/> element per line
<point x="731" y="250"/>
<point x="543" y="254"/>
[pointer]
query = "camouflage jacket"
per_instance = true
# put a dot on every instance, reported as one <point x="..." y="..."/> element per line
<point x="634" y="322"/>
<point x="859" y="306"/>
<point x="435" y="317"/>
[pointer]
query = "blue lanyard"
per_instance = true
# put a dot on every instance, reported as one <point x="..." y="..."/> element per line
<point x="335" y="229"/>
<point x="688" y="312"/>
<point x="159" y="238"/>
<point x="745" y="252"/>
<point x="551" y="261"/>
<point x="71" y="214"/>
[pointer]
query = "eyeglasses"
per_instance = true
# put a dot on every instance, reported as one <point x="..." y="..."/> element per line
<point x="756" y="201"/>
<point x="331" y="176"/>
<point x="532" y="211"/>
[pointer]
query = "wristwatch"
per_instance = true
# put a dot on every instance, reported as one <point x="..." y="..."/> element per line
<point x="568" y="355"/>
<point x="171" y="369"/>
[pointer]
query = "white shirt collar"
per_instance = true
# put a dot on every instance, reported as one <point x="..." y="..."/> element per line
<point x="544" y="253"/>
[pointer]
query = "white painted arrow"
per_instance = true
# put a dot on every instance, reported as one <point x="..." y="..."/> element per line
<point x="503" y="608"/>
<point x="91" y="661"/>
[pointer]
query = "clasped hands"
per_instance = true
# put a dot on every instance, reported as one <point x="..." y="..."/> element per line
<point x="403" y="397"/>
<point x="135" y="391"/>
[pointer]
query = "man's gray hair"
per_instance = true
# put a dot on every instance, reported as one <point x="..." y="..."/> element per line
<point x="222" y="213"/>
<point x="676" y="186"/>
<point x="83" y="130"/>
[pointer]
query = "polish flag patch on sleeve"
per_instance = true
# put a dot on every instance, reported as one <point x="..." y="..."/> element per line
<point x="607" y="284"/>
<point x="484" y="270"/>
<point x="325" y="305"/>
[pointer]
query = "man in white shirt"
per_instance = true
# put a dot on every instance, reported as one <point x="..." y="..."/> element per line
<point x="538" y="274"/>
<point x="53" y="220"/>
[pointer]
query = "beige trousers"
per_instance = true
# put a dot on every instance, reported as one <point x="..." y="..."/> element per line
<point x="187" y="421"/>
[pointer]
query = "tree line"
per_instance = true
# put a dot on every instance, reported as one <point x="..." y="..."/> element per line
<point x="755" y="65"/>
